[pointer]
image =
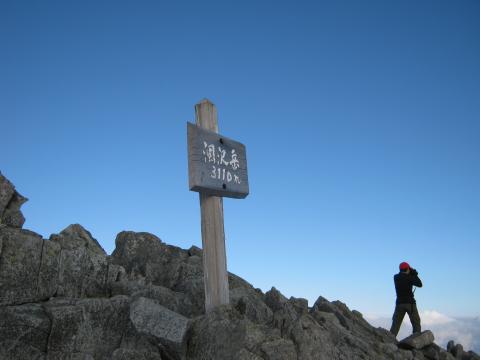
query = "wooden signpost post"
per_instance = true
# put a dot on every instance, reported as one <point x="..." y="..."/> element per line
<point x="217" y="168"/>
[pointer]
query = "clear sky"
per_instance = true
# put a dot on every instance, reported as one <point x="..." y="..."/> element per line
<point x="361" y="121"/>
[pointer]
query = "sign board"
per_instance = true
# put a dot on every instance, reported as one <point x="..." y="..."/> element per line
<point x="217" y="165"/>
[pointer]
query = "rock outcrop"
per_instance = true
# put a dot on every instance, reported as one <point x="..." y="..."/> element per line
<point x="10" y="203"/>
<point x="65" y="298"/>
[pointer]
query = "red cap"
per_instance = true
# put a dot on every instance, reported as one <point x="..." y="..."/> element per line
<point x="404" y="266"/>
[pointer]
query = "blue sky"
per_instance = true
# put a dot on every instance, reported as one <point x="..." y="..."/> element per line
<point x="361" y="122"/>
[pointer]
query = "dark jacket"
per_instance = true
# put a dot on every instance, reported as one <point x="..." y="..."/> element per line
<point x="403" y="286"/>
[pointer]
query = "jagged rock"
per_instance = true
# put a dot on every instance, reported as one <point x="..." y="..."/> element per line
<point x="162" y="324"/>
<point x="12" y="215"/>
<point x="10" y="204"/>
<point x="146" y="259"/>
<point x="13" y="218"/>
<point x="86" y="327"/>
<point x="24" y="332"/>
<point x="327" y="341"/>
<point x="300" y="305"/>
<point x="144" y="255"/>
<point x="195" y="251"/>
<point x="417" y="340"/>
<point x="284" y="313"/>
<point x="457" y="351"/>
<point x="6" y="192"/>
<point x="83" y="264"/>
<point x="64" y="298"/>
<point x="20" y="259"/>
<point x="450" y="345"/>
<point x="71" y="264"/>
<point x="251" y="304"/>
<point x="324" y="305"/>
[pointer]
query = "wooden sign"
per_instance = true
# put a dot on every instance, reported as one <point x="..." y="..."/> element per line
<point x="217" y="165"/>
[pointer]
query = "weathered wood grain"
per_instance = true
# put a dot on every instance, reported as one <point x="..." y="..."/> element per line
<point x="213" y="235"/>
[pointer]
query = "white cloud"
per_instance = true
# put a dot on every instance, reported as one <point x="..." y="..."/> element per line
<point x="432" y="317"/>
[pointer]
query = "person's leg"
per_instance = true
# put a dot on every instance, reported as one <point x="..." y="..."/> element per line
<point x="414" y="318"/>
<point x="397" y="319"/>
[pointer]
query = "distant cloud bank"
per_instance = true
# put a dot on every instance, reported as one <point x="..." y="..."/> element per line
<point x="465" y="331"/>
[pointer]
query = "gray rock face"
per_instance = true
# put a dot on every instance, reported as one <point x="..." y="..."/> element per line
<point x="70" y="264"/>
<point x="64" y="298"/>
<point x="224" y="334"/>
<point x="24" y="332"/>
<point x="86" y="327"/>
<point x="20" y="260"/>
<point x="280" y="349"/>
<point x="82" y="270"/>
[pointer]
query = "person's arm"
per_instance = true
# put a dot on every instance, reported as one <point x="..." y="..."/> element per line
<point x="415" y="279"/>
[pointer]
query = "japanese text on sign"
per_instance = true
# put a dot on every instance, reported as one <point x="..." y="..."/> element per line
<point x="223" y="164"/>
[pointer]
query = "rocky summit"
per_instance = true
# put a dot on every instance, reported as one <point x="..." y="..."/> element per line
<point x="65" y="298"/>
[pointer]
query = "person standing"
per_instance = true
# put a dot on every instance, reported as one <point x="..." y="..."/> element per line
<point x="404" y="282"/>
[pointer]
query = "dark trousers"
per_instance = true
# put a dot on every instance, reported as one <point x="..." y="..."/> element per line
<point x="399" y="314"/>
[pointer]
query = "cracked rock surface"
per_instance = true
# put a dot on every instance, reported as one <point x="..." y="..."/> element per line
<point x="65" y="298"/>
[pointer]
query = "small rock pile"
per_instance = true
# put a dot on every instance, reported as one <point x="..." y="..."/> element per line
<point x="65" y="298"/>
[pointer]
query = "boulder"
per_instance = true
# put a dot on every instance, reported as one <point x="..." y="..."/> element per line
<point x="145" y="256"/>
<point x="21" y="256"/>
<point x="417" y="341"/>
<point x="83" y="266"/>
<point x="160" y="324"/>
